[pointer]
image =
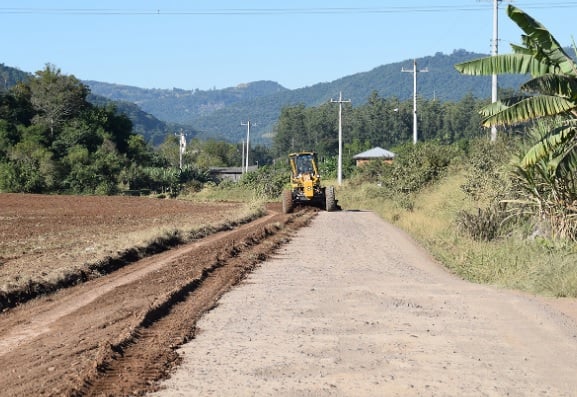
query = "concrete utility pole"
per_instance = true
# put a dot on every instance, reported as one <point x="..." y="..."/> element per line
<point x="242" y="160"/>
<point x="182" y="146"/>
<point x="414" y="71"/>
<point x="494" y="52"/>
<point x="340" y="162"/>
<point x="247" y="142"/>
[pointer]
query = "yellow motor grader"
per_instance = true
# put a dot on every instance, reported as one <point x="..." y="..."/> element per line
<point x="306" y="184"/>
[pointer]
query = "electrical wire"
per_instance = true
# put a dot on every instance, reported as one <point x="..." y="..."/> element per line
<point x="280" y="11"/>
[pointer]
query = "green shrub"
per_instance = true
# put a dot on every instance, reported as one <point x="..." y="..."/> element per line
<point x="486" y="171"/>
<point x="483" y="225"/>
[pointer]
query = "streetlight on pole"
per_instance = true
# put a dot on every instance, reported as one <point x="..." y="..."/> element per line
<point x="340" y="161"/>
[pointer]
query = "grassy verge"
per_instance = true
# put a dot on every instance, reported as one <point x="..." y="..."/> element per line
<point x="534" y="265"/>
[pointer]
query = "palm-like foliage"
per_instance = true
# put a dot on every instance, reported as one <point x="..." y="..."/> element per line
<point x="553" y="87"/>
<point x="546" y="170"/>
<point x="549" y="186"/>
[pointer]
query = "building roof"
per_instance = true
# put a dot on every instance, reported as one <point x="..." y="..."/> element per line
<point x="231" y="170"/>
<point x="375" y="153"/>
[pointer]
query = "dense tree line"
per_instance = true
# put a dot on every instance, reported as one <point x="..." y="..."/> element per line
<point x="52" y="139"/>
<point x="384" y="122"/>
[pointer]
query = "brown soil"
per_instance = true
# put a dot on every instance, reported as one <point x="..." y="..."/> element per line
<point x="117" y="334"/>
<point x="49" y="242"/>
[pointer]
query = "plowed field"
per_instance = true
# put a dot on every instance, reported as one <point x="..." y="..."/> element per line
<point x="115" y="332"/>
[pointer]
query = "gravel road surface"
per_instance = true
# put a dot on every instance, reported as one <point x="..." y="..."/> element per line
<point x="353" y="307"/>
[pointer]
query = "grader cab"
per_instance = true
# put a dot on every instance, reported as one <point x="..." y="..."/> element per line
<point x="306" y="186"/>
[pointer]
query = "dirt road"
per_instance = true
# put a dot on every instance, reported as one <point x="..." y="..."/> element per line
<point x="351" y="307"/>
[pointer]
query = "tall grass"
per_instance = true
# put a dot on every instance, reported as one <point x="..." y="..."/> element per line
<point x="514" y="261"/>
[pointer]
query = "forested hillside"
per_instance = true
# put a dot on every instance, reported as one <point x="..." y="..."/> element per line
<point x="11" y="76"/>
<point x="152" y="129"/>
<point x="218" y="113"/>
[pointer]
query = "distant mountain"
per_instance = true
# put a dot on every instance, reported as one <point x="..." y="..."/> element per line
<point x="11" y="76"/>
<point x="152" y="129"/>
<point x="187" y="107"/>
<point x="219" y="113"/>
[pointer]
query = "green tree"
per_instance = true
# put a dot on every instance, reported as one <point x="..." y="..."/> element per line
<point x="31" y="169"/>
<point x="56" y="98"/>
<point x="290" y="130"/>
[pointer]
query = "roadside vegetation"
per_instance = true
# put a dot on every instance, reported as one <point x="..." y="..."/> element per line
<point x="502" y="212"/>
<point x="460" y="213"/>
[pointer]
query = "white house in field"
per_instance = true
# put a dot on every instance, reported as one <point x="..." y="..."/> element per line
<point x="376" y="153"/>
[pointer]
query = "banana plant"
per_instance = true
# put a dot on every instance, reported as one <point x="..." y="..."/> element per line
<point x="550" y="92"/>
<point x="546" y="171"/>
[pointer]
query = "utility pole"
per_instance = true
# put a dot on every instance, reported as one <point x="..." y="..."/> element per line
<point x="242" y="160"/>
<point x="247" y="142"/>
<point x="182" y="146"/>
<point x="414" y="71"/>
<point x="340" y="161"/>
<point x="494" y="52"/>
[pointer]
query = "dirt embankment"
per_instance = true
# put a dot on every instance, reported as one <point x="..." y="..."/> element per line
<point x="117" y="334"/>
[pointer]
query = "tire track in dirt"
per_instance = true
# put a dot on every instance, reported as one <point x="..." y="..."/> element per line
<point x="117" y="335"/>
<point x="82" y="297"/>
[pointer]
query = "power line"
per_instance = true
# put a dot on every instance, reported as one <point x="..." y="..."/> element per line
<point x="276" y="11"/>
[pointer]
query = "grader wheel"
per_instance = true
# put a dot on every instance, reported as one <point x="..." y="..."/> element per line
<point x="330" y="201"/>
<point x="287" y="201"/>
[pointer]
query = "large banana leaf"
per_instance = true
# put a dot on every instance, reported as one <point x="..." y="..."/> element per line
<point x="492" y="109"/>
<point x="517" y="49"/>
<point x="543" y="41"/>
<point x="553" y="84"/>
<point x="540" y="55"/>
<point x="529" y="109"/>
<point x="556" y="150"/>
<point x="505" y="64"/>
<point x="500" y="105"/>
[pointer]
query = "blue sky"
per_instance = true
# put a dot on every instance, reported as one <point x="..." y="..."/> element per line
<point x="222" y="43"/>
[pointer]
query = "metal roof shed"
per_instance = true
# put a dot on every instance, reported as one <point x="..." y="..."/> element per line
<point x="376" y="153"/>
